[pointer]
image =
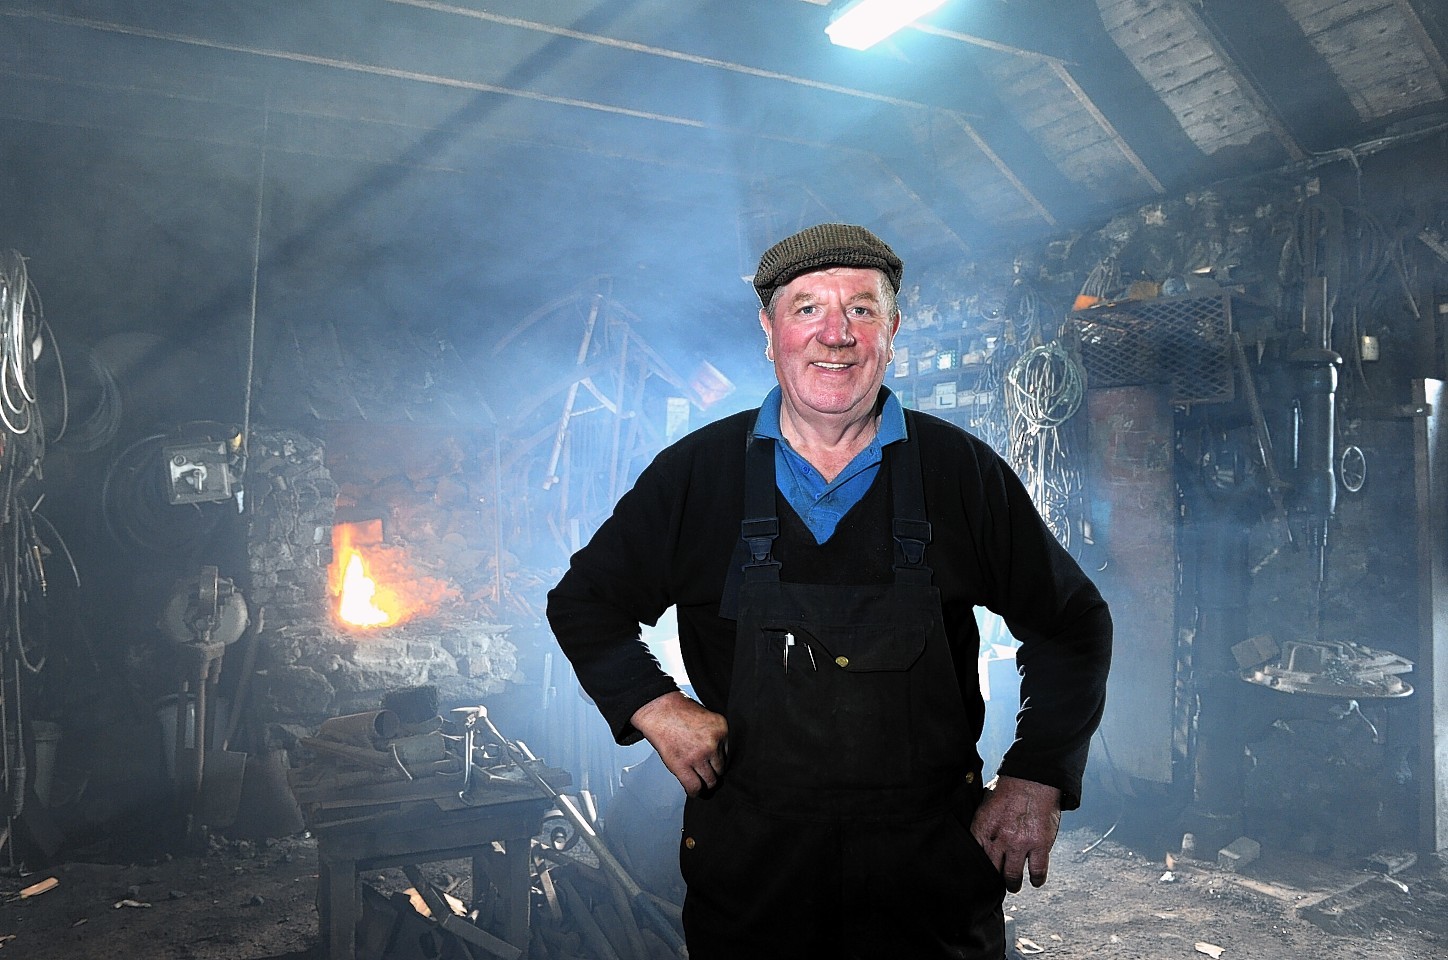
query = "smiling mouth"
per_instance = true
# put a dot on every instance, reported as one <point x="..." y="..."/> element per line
<point x="826" y="365"/>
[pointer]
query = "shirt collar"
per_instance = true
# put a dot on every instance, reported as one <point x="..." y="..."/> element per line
<point x="892" y="417"/>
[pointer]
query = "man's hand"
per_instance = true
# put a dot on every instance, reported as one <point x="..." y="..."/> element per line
<point x="1017" y="823"/>
<point x="689" y="739"/>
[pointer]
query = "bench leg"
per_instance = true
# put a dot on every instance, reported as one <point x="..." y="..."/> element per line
<point x="337" y="904"/>
<point x="518" y="872"/>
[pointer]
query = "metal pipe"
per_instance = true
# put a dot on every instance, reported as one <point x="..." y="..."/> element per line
<point x="1315" y="482"/>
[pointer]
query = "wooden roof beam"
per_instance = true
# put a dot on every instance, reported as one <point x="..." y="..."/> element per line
<point x="1250" y="88"/>
<point x="1062" y="70"/>
<point x="1419" y="30"/>
<point x="1107" y="127"/>
<point x="629" y="46"/>
<point x="979" y="41"/>
<point x="1004" y="169"/>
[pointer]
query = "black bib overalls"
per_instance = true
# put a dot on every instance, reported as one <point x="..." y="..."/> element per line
<point x="839" y="828"/>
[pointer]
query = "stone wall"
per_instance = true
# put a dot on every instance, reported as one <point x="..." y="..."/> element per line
<point x="310" y="667"/>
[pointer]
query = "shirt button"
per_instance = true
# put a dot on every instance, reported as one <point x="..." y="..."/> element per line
<point x="842" y="661"/>
<point x="970" y="777"/>
<point x="688" y="843"/>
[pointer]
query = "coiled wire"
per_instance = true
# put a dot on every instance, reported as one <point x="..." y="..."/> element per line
<point x="1044" y="389"/>
<point x="1046" y="385"/>
<point x="19" y="344"/>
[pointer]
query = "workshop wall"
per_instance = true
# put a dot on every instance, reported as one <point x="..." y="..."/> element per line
<point x="354" y="363"/>
<point x="1313" y="773"/>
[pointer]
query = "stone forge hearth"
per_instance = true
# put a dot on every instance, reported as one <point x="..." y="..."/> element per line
<point x="420" y="531"/>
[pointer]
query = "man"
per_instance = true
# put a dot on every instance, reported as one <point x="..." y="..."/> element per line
<point x="825" y="555"/>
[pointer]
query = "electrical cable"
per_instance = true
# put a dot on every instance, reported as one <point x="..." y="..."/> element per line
<point x="1044" y="388"/>
<point x="61" y="380"/>
<point x="110" y="484"/>
<point x="60" y="542"/>
<point x="17" y="592"/>
<point x="98" y="428"/>
<point x="1047" y="385"/>
<point x="22" y="338"/>
<point x="19" y="343"/>
<point x="22" y="448"/>
<point x="1103" y="278"/>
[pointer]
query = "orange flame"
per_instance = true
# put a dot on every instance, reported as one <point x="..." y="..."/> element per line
<point x="379" y="584"/>
<point x="359" y="601"/>
<point x="357" y="605"/>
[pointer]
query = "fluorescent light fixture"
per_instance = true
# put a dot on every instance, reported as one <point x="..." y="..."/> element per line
<point x="866" y="22"/>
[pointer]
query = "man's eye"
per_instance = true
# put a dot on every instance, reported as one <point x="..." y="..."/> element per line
<point x="807" y="309"/>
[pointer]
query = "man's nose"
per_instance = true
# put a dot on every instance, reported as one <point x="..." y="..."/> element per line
<point x="836" y="329"/>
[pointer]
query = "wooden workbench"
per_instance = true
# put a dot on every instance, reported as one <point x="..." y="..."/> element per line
<point x="367" y="829"/>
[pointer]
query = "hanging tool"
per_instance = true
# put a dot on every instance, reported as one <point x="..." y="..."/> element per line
<point x="468" y="717"/>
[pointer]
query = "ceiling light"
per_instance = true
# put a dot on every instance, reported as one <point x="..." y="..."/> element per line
<point x="866" y="22"/>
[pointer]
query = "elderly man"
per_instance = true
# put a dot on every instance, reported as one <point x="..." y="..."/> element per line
<point x="825" y="554"/>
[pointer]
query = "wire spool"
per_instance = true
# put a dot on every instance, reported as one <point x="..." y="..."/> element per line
<point x="135" y="508"/>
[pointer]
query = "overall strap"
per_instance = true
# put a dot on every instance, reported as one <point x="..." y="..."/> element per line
<point x="761" y="521"/>
<point x="909" y="527"/>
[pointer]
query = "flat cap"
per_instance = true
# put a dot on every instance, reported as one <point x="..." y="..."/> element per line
<point x="820" y="246"/>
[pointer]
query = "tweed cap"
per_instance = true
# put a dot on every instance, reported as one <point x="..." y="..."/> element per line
<point x="820" y="246"/>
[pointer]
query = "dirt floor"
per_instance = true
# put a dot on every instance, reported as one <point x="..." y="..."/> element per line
<point x="254" y="901"/>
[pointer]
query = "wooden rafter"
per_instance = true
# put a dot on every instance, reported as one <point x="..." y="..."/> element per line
<point x="1107" y="127"/>
<point x="1416" y="27"/>
<point x="660" y="52"/>
<point x="978" y="41"/>
<point x="1004" y="169"/>
<point x="1249" y="87"/>
<point x="1062" y="70"/>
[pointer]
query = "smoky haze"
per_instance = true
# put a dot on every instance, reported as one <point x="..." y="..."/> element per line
<point x="434" y="203"/>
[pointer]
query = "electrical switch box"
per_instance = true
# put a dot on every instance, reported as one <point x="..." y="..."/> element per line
<point x="197" y="472"/>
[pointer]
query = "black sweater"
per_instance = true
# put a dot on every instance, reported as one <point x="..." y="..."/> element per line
<point x="673" y="537"/>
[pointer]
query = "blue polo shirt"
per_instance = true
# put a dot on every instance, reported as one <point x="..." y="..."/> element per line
<point x="819" y="504"/>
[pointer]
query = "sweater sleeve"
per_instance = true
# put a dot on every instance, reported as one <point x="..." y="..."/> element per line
<point x="615" y="583"/>
<point x="1065" y="632"/>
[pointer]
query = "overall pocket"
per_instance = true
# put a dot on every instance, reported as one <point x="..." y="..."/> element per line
<point x="837" y="706"/>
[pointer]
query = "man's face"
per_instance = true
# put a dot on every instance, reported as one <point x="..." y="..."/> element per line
<point x="831" y="339"/>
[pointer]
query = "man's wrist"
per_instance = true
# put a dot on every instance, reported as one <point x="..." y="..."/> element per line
<point x="645" y="713"/>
